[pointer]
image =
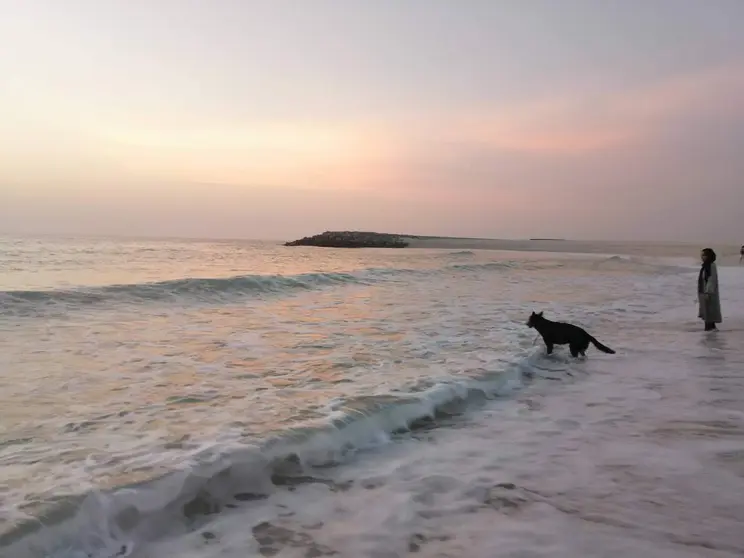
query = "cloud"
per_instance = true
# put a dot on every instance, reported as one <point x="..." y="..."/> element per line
<point x="525" y="143"/>
<point x="568" y="164"/>
<point x="588" y="119"/>
<point x="461" y="146"/>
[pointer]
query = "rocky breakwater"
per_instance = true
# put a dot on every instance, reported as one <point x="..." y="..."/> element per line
<point x="351" y="239"/>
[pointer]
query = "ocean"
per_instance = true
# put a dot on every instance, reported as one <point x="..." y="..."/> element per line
<point x="199" y="399"/>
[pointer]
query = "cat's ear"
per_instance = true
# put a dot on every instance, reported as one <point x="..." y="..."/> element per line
<point x="540" y="314"/>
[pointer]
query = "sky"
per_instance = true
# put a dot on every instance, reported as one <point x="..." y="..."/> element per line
<point x="276" y="119"/>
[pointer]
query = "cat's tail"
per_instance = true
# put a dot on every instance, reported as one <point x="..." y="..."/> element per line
<point x="601" y="347"/>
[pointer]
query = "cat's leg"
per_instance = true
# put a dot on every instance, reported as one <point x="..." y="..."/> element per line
<point x="549" y="347"/>
<point x="574" y="350"/>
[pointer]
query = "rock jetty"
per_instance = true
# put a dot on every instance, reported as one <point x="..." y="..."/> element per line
<point x="351" y="239"/>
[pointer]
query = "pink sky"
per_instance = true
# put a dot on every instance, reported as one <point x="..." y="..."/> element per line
<point x="275" y="119"/>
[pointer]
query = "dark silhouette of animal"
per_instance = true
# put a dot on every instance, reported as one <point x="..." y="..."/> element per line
<point x="560" y="333"/>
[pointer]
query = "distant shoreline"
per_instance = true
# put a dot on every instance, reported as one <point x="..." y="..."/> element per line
<point x="727" y="254"/>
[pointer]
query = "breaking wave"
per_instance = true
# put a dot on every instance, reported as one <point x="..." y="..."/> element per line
<point x="24" y="303"/>
<point x="113" y="523"/>
<point x="206" y="289"/>
<point x="213" y="290"/>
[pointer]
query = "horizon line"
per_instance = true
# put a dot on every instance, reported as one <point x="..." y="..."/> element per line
<point x="185" y="238"/>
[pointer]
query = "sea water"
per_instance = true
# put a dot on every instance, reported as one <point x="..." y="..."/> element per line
<point x="201" y="399"/>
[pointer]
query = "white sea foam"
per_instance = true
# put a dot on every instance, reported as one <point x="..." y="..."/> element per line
<point x="332" y="420"/>
<point x="639" y="455"/>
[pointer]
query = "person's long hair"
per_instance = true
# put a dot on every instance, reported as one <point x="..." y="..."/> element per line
<point x="710" y="257"/>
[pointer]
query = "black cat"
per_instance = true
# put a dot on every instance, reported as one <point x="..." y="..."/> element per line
<point x="559" y="333"/>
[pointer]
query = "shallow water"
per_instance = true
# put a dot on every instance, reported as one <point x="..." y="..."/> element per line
<point x="252" y="413"/>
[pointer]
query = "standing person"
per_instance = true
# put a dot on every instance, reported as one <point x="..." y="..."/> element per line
<point x="741" y="255"/>
<point x="709" y="300"/>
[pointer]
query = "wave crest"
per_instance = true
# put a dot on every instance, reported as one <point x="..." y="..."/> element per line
<point x="218" y="290"/>
<point x="210" y="289"/>
<point x="41" y="302"/>
<point x="108" y="524"/>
